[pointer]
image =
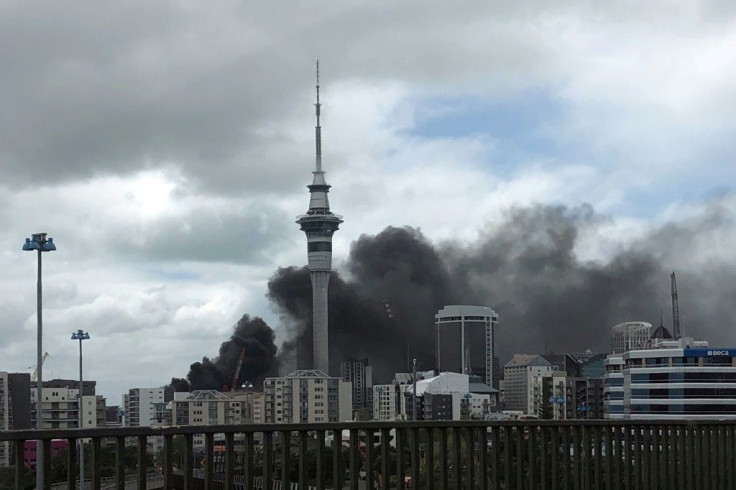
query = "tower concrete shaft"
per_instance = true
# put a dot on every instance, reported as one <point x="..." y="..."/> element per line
<point x="319" y="224"/>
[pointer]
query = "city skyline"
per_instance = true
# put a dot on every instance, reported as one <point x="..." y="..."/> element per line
<point x="165" y="149"/>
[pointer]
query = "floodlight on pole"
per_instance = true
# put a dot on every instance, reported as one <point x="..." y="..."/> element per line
<point x="81" y="335"/>
<point x="41" y="243"/>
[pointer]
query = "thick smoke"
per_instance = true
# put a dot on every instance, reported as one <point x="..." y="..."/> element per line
<point x="251" y="334"/>
<point x="528" y="269"/>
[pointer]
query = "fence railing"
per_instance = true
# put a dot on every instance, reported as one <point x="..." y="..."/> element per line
<point x="509" y="455"/>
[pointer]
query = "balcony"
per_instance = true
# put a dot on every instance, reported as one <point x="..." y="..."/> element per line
<point x="440" y="455"/>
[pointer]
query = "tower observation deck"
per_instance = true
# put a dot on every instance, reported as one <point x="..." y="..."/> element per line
<point x="319" y="224"/>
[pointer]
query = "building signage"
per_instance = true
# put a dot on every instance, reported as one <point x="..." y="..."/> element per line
<point x="709" y="352"/>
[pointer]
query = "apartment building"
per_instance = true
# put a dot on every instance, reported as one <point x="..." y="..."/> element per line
<point x="210" y="407"/>
<point x="307" y="396"/>
<point x="60" y="404"/>
<point x="519" y="374"/>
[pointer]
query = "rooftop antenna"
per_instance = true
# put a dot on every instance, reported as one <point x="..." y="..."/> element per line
<point x="318" y="128"/>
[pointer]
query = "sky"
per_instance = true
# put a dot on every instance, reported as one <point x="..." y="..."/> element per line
<point x="166" y="146"/>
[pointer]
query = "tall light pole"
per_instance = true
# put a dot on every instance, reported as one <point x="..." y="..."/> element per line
<point x="81" y="335"/>
<point x="38" y="241"/>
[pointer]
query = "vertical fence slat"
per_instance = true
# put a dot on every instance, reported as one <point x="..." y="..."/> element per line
<point x="414" y="442"/>
<point x="607" y="466"/>
<point x="643" y="460"/>
<point x="543" y="433"/>
<point x="19" y="446"/>
<point x="519" y="453"/>
<point x="697" y="457"/>
<point x="248" y="460"/>
<point x="483" y="458"/>
<point x="303" y="435"/>
<point x="229" y="460"/>
<point x="576" y="463"/>
<point x="46" y="445"/>
<point x="729" y="457"/>
<point x="554" y="459"/>
<point x="209" y="463"/>
<point x="456" y="460"/>
<point x="267" y="460"/>
<point x="285" y="458"/>
<point x="668" y="463"/>
<point x="689" y="447"/>
<point x="354" y="459"/>
<point x="385" y="476"/>
<point x="566" y="454"/>
<point x="598" y="447"/>
<point x="586" y="453"/>
<point x="400" y="463"/>
<point x="336" y="458"/>
<point x="429" y="458"/>
<point x="469" y="456"/>
<point x="96" y="463"/>
<point x="626" y="458"/>
<point x="658" y="451"/>
<point x="369" y="456"/>
<point x="321" y="463"/>
<point x="530" y="464"/>
<point x="495" y="458"/>
<point x="141" y="453"/>
<point x="443" y="459"/>
<point x="120" y="461"/>
<point x="168" y="465"/>
<point x="72" y="464"/>
<point x="721" y="458"/>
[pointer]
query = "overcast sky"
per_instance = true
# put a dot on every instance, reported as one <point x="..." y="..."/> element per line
<point x="166" y="146"/>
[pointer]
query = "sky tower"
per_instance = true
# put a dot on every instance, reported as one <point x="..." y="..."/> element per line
<point x="319" y="224"/>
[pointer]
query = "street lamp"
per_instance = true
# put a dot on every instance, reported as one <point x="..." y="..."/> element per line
<point x="38" y="241"/>
<point x="80" y="336"/>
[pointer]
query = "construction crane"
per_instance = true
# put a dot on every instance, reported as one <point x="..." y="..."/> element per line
<point x="675" y="308"/>
<point x="234" y="384"/>
<point x="34" y="376"/>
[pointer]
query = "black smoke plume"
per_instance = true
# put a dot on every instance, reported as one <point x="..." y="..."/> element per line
<point x="529" y="269"/>
<point x="253" y="336"/>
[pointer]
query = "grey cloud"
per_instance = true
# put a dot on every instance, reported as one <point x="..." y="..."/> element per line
<point x="117" y="88"/>
<point x="252" y="235"/>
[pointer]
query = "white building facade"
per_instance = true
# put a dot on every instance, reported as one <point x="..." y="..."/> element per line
<point x="518" y="385"/>
<point x="613" y="387"/>
<point x="307" y="396"/>
<point x="680" y="379"/>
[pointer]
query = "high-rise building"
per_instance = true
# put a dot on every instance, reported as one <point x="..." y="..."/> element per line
<point x="139" y="405"/>
<point x="144" y="407"/>
<point x="306" y="396"/>
<point x="465" y="341"/>
<point x="319" y="224"/>
<point x="360" y="374"/>
<point x="518" y="381"/>
<point x="679" y="379"/>
<point x="15" y="410"/>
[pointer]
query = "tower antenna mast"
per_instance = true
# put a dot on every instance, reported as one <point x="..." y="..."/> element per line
<point x="318" y="128"/>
